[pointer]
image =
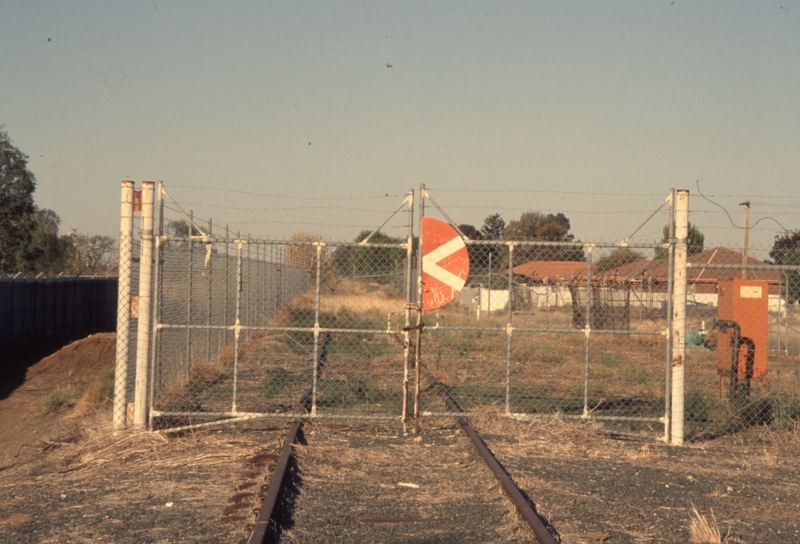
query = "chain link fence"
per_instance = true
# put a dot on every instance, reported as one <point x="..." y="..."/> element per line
<point x="743" y="365"/>
<point x="251" y="328"/>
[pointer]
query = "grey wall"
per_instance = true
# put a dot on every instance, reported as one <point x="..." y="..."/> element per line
<point x="44" y="307"/>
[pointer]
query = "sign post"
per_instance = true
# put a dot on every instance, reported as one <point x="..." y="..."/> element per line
<point x="444" y="267"/>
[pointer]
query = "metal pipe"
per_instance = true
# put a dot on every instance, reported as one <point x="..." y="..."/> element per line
<point x="668" y="356"/>
<point x="123" y="306"/>
<point x="155" y="349"/>
<point x="227" y="281"/>
<point x="587" y="328"/>
<point x="509" y="325"/>
<point x="746" y="205"/>
<point x="316" y="365"/>
<point x="238" y="325"/>
<point x="208" y="271"/>
<point x="145" y="306"/>
<point x="420" y="303"/>
<point x="189" y="302"/>
<point x="409" y="302"/>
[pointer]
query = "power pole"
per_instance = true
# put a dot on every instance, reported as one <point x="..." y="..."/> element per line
<point x="746" y="205"/>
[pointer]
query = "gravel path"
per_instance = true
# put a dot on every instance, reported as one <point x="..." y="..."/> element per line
<point x="367" y="484"/>
<point x="593" y="487"/>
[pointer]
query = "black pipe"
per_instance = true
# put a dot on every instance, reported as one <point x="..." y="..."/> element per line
<point x="736" y="345"/>
<point x="751" y="359"/>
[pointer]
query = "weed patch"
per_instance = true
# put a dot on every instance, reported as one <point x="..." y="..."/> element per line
<point x="56" y="400"/>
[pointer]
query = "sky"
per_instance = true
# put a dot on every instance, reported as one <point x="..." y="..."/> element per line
<point x="276" y="117"/>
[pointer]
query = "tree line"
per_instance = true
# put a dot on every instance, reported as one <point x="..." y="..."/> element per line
<point x="30" y="241"/>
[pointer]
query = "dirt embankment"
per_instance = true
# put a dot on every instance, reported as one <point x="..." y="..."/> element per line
<point x="70" y="369"/>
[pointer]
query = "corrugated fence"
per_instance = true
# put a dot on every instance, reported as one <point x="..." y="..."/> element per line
<point x="56" y="306"/>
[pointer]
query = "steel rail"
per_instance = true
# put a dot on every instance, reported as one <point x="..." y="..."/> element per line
<point x="526" y="511"/>
<point x="278" y="475"/>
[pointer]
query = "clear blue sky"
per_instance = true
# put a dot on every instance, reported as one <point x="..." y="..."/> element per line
<point x="495" y="106"/>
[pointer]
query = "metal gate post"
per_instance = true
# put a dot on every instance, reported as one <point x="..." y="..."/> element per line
<point x="209" y="272"/>
<point x="409" y="302"/>
<point x="679" y="310"/>
<point x="155" y="346"/>
<point x="145" y="306"/>
<point x="509" y="326"/>
<point x="418" y="347"/>
<point x="668" y="329"/>
<point x="317" y="351"/>
<point x="587" y="330"/>
<point x="189" y="284"/>
<point x="123" y="306"/>
<point x="237" y="322"/>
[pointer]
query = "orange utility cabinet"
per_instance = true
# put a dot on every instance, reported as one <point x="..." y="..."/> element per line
<point x="745" y="302"/>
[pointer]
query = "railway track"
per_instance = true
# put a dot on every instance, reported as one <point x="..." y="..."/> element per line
<point x="268" y="529"/>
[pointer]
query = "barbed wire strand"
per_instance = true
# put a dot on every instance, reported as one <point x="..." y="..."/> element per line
<point x="270" y="195"/>
<point x="729" y="215"/>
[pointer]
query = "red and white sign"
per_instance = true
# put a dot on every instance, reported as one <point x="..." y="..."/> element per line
<point x="445" y="263"/>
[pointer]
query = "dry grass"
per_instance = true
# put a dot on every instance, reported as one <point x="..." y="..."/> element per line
<point x="705" y="531"/>
<point x="355" y="298"/>
<point x="97" y="394"/>
<point x="90" y="445"/>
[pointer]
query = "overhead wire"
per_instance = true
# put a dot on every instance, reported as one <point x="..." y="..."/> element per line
<point x="270" y="195"/>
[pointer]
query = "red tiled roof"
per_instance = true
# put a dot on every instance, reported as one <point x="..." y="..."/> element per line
<point x="551" y="270"/>
<point x="655" y="270"/>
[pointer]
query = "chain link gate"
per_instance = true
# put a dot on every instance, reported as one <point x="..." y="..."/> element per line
<point x="247" y="327"/>
<point x="558" y="333"/>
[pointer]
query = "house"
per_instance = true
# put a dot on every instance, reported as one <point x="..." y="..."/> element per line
<point x="644" y="282"/>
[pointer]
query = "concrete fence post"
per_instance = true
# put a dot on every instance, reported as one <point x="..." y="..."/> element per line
<point x="679" y="316"/>
<point x="123" y="305"/>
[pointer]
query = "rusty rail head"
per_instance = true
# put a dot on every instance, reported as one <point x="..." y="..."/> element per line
<point x="526" y="511"/>
<point x="278" y="475"/>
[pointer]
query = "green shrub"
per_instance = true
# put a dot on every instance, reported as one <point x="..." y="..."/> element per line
<point x="61" y="398"/>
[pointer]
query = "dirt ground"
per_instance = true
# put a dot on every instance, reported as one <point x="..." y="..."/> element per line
<point x="373" y="483"/>
<point x="65" y="477"/>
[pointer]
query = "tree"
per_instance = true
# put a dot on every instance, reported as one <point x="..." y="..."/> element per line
<point x="696" y="240"/>
<point x="303" y="254"/>
<point x="90" y="255"/>
<point x="470" y="231"/>
<point x="617" y="258"/>
<point x="17" y="210"/>
<point x="493" y="227"/>
<point x="478" y="255"/>
<point x="492" y="230"/>
<point x="545" y="228"/>
<point x="383" y="265"/>
<point x="786" y="251"/>
<point x="180" y="229"/>
<point x="48" y="248"/>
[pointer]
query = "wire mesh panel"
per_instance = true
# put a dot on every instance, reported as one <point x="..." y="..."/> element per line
<point x="551" y="328"/>
<point x="743" y="365"/>
<point x="248" y="328"/>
